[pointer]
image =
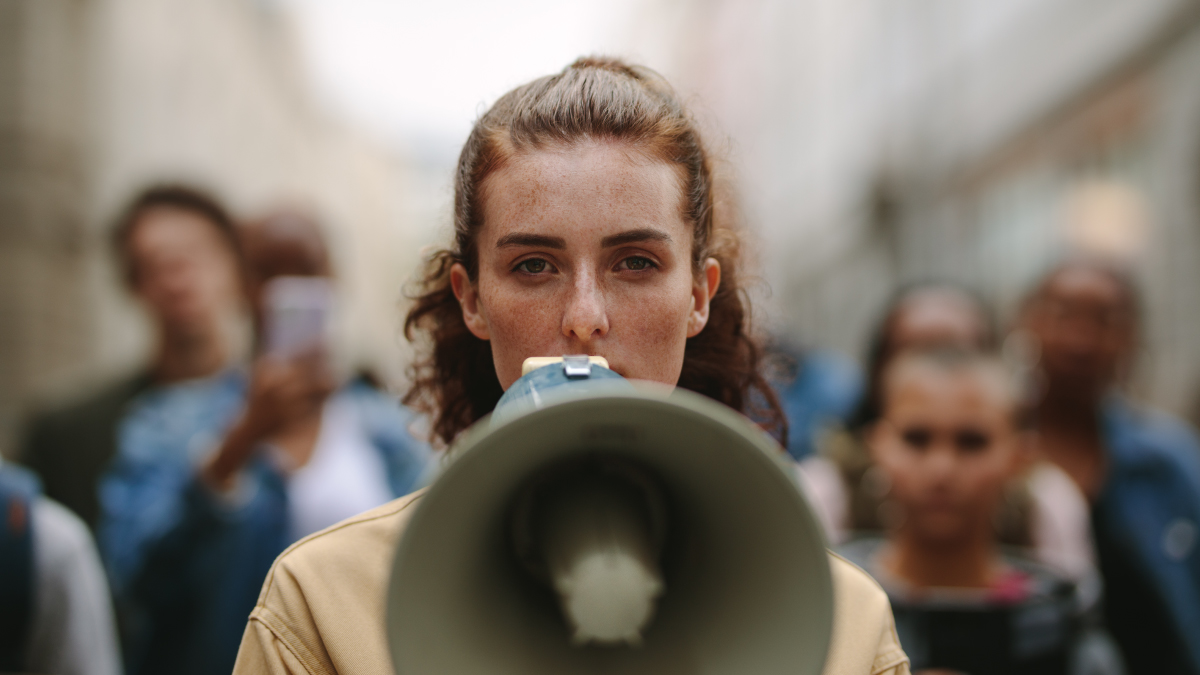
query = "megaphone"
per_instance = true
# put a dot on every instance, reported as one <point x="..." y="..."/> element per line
<point x="593" y="525"/>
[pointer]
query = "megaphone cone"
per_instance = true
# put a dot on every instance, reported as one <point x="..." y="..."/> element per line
<point x="620" y="530"/>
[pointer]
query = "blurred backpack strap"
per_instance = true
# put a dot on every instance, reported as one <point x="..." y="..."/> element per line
<point x="18" y="490"/>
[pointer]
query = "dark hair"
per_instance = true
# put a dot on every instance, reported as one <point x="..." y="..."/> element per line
<point x="593" y="98"/>
<point x="883" y="345"/>
<point x="170" y="196"/>
<point x="286" y="241"/>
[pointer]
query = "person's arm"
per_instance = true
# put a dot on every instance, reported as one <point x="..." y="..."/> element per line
<point x="281" y="392"/>
<point x="158" y="512"/>
<point x="72" y="631"/>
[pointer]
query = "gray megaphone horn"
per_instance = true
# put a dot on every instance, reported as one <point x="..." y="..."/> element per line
<point x="593" y="525"/>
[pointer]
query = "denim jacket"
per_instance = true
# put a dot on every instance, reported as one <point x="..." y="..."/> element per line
<point x="1152" y="504"/>
<point x="185" y="564"/>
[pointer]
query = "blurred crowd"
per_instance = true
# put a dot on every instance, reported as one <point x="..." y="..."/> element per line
<point x="195" y="473"/>
<point x="1022" y="512"/>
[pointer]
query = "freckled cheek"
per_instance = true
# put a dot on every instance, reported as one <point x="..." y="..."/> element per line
<point x="653" y="332"/>
<point x="520" y="325"/>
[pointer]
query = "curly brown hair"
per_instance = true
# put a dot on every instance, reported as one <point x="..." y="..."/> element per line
<point x="594" y="98"/>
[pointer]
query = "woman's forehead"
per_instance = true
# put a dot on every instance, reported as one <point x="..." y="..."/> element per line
<point x="582" y="189"/>
<point x="966" y="389"/>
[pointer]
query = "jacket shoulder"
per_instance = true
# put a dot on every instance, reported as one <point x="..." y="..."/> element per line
<point x="325" y="597"/>
<point x="864" y="640"/>
<point x="348" y="543"/>
<point x="1152" y="440"/>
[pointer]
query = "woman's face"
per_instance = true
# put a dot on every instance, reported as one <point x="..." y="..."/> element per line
<point x="1086" y="327"/>
<point x="584" y="250"/>
<point x="947" y="444"/>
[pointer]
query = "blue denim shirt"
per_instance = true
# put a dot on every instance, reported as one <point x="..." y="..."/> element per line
<point x="185" y="565"/>
<point x="1150" y="505"/>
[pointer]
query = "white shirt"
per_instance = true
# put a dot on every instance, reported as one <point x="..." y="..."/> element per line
<point x="345" y="475"/>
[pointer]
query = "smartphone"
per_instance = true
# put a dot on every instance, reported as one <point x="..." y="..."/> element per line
<point x="298" y="312"/>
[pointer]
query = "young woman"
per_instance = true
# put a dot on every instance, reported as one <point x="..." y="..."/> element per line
<point x="950" y="437"/>
<point x="921" y="315"/>
<point x="585" y="222"/>
<point x="1042" y="511"/>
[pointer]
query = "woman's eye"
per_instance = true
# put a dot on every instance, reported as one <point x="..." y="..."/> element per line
<point x="637" y="263"/>
<point x="533" y="266"/>
<point x="917" y="438"/>
<point x="971" y="440"/>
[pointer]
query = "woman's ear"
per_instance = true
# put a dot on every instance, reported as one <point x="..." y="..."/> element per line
<point x="468" y="299"/>
<point x="702" y="294"/>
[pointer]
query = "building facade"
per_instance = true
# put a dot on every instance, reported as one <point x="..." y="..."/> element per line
<point x="884" y="141"/>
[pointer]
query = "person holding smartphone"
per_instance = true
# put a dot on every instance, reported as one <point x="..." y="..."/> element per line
<point x="213" y="480"/>
<point x="586" y="222"/>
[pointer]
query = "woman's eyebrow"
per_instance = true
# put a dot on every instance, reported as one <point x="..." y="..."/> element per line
<point x="538" y="240"/>
<point x="632" y="236"/>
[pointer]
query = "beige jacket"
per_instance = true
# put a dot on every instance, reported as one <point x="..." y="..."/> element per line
<point x="323" y="604"/>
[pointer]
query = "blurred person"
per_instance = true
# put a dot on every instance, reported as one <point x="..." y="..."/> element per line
<point x="177" y="251"/>
<point x="818" y="391"/>
<point x="949" y="437"/>
<point x="583" y="225"/>
<point x="215" y="478"/>
<point x="1139" y="468"/>
<point x="55" y="611"/>
<point x="919" y="315"/>
<point x="1042" y="510"/>
<point x="922" y="315"/>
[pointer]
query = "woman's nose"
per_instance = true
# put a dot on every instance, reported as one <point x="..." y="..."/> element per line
<point x="584" y="317"/>
<point x="941" y="461"/>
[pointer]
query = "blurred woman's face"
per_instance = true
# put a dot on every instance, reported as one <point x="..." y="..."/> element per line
<point x="948" y="446"/>
<point x="584" y="250"/>
<point x="1086" y="328"/>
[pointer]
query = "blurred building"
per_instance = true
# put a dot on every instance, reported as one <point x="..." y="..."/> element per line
<point x="878" y="141"/>
<point x="99" y="98"/>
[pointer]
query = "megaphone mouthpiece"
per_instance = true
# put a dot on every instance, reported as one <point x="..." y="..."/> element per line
<point x="609" y="597"/>
<point x="593" y="529"/>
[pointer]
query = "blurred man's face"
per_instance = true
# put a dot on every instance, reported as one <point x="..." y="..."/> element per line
<point x="1085" y="326"/>
<point x="184" y="271"/>
<point x="948" y="445"/>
